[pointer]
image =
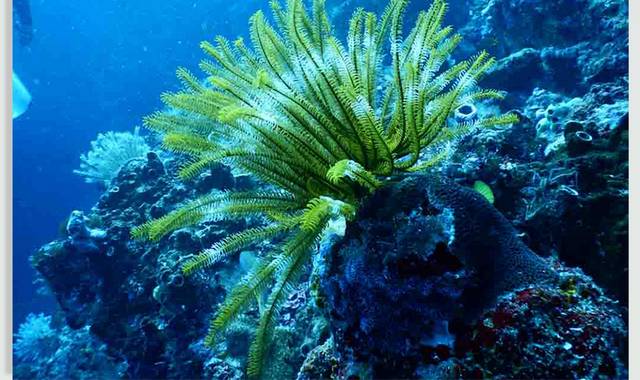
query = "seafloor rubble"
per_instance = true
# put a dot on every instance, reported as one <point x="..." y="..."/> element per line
<point x="422" y="284"/>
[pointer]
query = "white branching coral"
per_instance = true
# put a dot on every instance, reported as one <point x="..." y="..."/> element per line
<point x="109" y="151"/>
<point x="35" y="338"/>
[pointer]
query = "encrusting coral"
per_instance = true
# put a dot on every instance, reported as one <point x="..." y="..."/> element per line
<point x="319" y="124"/>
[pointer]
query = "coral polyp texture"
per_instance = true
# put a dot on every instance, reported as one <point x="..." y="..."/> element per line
<point x="316" y="120"/>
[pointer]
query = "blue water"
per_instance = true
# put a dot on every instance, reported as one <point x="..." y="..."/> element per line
<point x="93" y="66"/>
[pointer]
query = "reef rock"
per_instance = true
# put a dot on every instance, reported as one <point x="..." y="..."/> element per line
<point x="132" y="295"/>
<point x="563" y="46"/>
<point x="425" y="261"/>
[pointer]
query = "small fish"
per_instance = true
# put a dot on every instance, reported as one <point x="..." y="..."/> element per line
<point x="485" y="190"/>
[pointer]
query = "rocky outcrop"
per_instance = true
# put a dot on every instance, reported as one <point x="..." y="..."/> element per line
<point x="133" y="294"/>
<point x="426" y="265"/>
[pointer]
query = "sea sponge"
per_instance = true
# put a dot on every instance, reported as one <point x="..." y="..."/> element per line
<point x="486" y="242"/>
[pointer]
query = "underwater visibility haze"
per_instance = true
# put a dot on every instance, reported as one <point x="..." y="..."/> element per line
<point x="297" y="189"/>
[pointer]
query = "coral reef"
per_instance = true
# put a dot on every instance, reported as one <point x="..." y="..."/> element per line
<point x="407" y="279"/>
<point x="427" y="281"/>
<point x="43" y="350"/>
<point x="433" y="270"/>
<point x="561" y="174"/>
<point x="568" y="331"/>
<point x="565" y="45"/>
<point x="566" y="160"/>
<point x="410" y="278"/>
<point x="133" y="296"/>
